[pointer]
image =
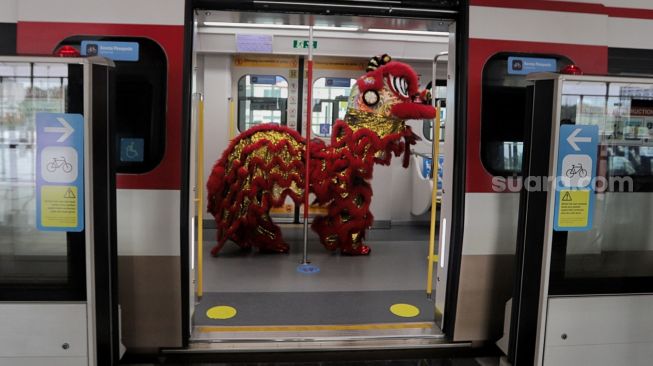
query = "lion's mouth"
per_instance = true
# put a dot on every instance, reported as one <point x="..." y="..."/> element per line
<point x="409" y="110"/>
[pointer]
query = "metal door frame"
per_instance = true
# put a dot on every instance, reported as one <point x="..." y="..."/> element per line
<point x="459" y="13"/>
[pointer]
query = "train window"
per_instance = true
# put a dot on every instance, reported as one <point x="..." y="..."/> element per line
<point x="427" y="125"/>
<point x="624" y="114"/>
<point x="503" y="110"/>
<point x="330" y="98"/>
<point x="262" y="99"/>
<point x="141" y="91"/>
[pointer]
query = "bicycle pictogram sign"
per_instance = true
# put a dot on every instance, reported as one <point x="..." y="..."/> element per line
<point x="576" y="169"/>
<point x="59" y="163"/>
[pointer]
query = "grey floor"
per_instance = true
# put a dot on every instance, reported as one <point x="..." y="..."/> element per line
<point x="310" y="308"/>
<point x="267" y="289"/>
<point x="397" y="262"/>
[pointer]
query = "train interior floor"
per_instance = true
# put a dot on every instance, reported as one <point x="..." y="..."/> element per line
<point x="248" y="288"/>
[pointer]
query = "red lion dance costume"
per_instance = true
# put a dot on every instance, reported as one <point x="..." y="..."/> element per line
<point x="265" y="164"/>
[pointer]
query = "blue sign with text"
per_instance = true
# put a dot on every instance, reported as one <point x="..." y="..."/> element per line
<point x="264" y="79"/>
<point x="59" y="172"/>
<point x="338" y="82"/>
<point x="117" y="51"/>
<point x="574" y="195"/>
<point x="527" y="65"/>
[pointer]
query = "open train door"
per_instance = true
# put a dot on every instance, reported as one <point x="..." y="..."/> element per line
<point x="222" y="35"/>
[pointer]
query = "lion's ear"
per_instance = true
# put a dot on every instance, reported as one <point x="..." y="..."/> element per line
<point x="377" y="61"/>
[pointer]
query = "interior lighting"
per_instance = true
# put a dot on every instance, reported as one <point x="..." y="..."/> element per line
<point x="280" y="26"/>
<point x="254" y="25"/>
<point x="337" y="29"/>
<point x="413" y="32"/>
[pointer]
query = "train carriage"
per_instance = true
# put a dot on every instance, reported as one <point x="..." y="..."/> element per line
<point x="209" y="70"/>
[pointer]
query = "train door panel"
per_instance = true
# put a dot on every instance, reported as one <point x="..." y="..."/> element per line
<point x="264" y="90"/>
<point x="147" y="131"/>
<point x="332" y="82"/>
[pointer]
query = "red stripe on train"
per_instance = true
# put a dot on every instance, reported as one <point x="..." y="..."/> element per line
<point x="567" y="6"/>
<point x="591" y="59"/>
<point x="564" y="6"/>
<point x="41" y="38"/>
<point x="629" y="13"/>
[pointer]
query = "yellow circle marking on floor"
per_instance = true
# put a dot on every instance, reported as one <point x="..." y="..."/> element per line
<point x="221" y="312"/>
<point x="404" y="310"/>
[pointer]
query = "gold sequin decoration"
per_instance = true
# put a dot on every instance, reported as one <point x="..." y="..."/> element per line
<point x="287" y="155"/>
<point x="380" y="124"/>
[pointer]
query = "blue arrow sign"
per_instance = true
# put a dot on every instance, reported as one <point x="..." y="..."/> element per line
<point x="59" y="172"/>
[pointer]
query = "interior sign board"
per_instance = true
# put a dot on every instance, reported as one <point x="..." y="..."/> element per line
<point x="574" y="196"/>
<point x="527" y="65"/>
<point x="117" y="51"/>
<point x="338" y="82"/>
<point x="59" y="172"/>
<point x="254" y="43"/>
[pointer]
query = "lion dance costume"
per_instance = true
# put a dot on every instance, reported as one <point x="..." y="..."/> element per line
<point x="265" y="164"/>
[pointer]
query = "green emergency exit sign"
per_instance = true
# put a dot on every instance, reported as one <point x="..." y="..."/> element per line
<point x="302" y="43"/>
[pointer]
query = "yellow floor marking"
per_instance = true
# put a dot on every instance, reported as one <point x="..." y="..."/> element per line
<point x="404" y="310"/>
<point x="304" y="328"/>
<point x="221" y="312"/>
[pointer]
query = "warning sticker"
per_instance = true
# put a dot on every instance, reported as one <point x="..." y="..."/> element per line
<point x="59" y="206"/>
<point x="573" y="208"/>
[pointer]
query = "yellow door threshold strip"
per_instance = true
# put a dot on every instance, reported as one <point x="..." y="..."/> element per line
<point x="308" y="328"/>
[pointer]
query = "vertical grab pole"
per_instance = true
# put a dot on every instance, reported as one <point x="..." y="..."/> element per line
<point x="200" y="195"/>
<point x="435" y="166"/>
<point x="307" y="155"/>
<point x="232" y="119"/>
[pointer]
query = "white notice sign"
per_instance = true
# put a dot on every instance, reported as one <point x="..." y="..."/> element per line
<point x="260" y="43"/>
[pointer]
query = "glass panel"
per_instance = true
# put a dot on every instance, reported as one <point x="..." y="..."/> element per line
<point x="261" y="99"/>
<point x="427" y="124"/>
<point x="28" y="257"/>
<point x="330" y="99"/>
<point x="620" y="244"/>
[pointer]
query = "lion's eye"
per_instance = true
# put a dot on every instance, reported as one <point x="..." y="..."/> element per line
<point x="400" y="85"/>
